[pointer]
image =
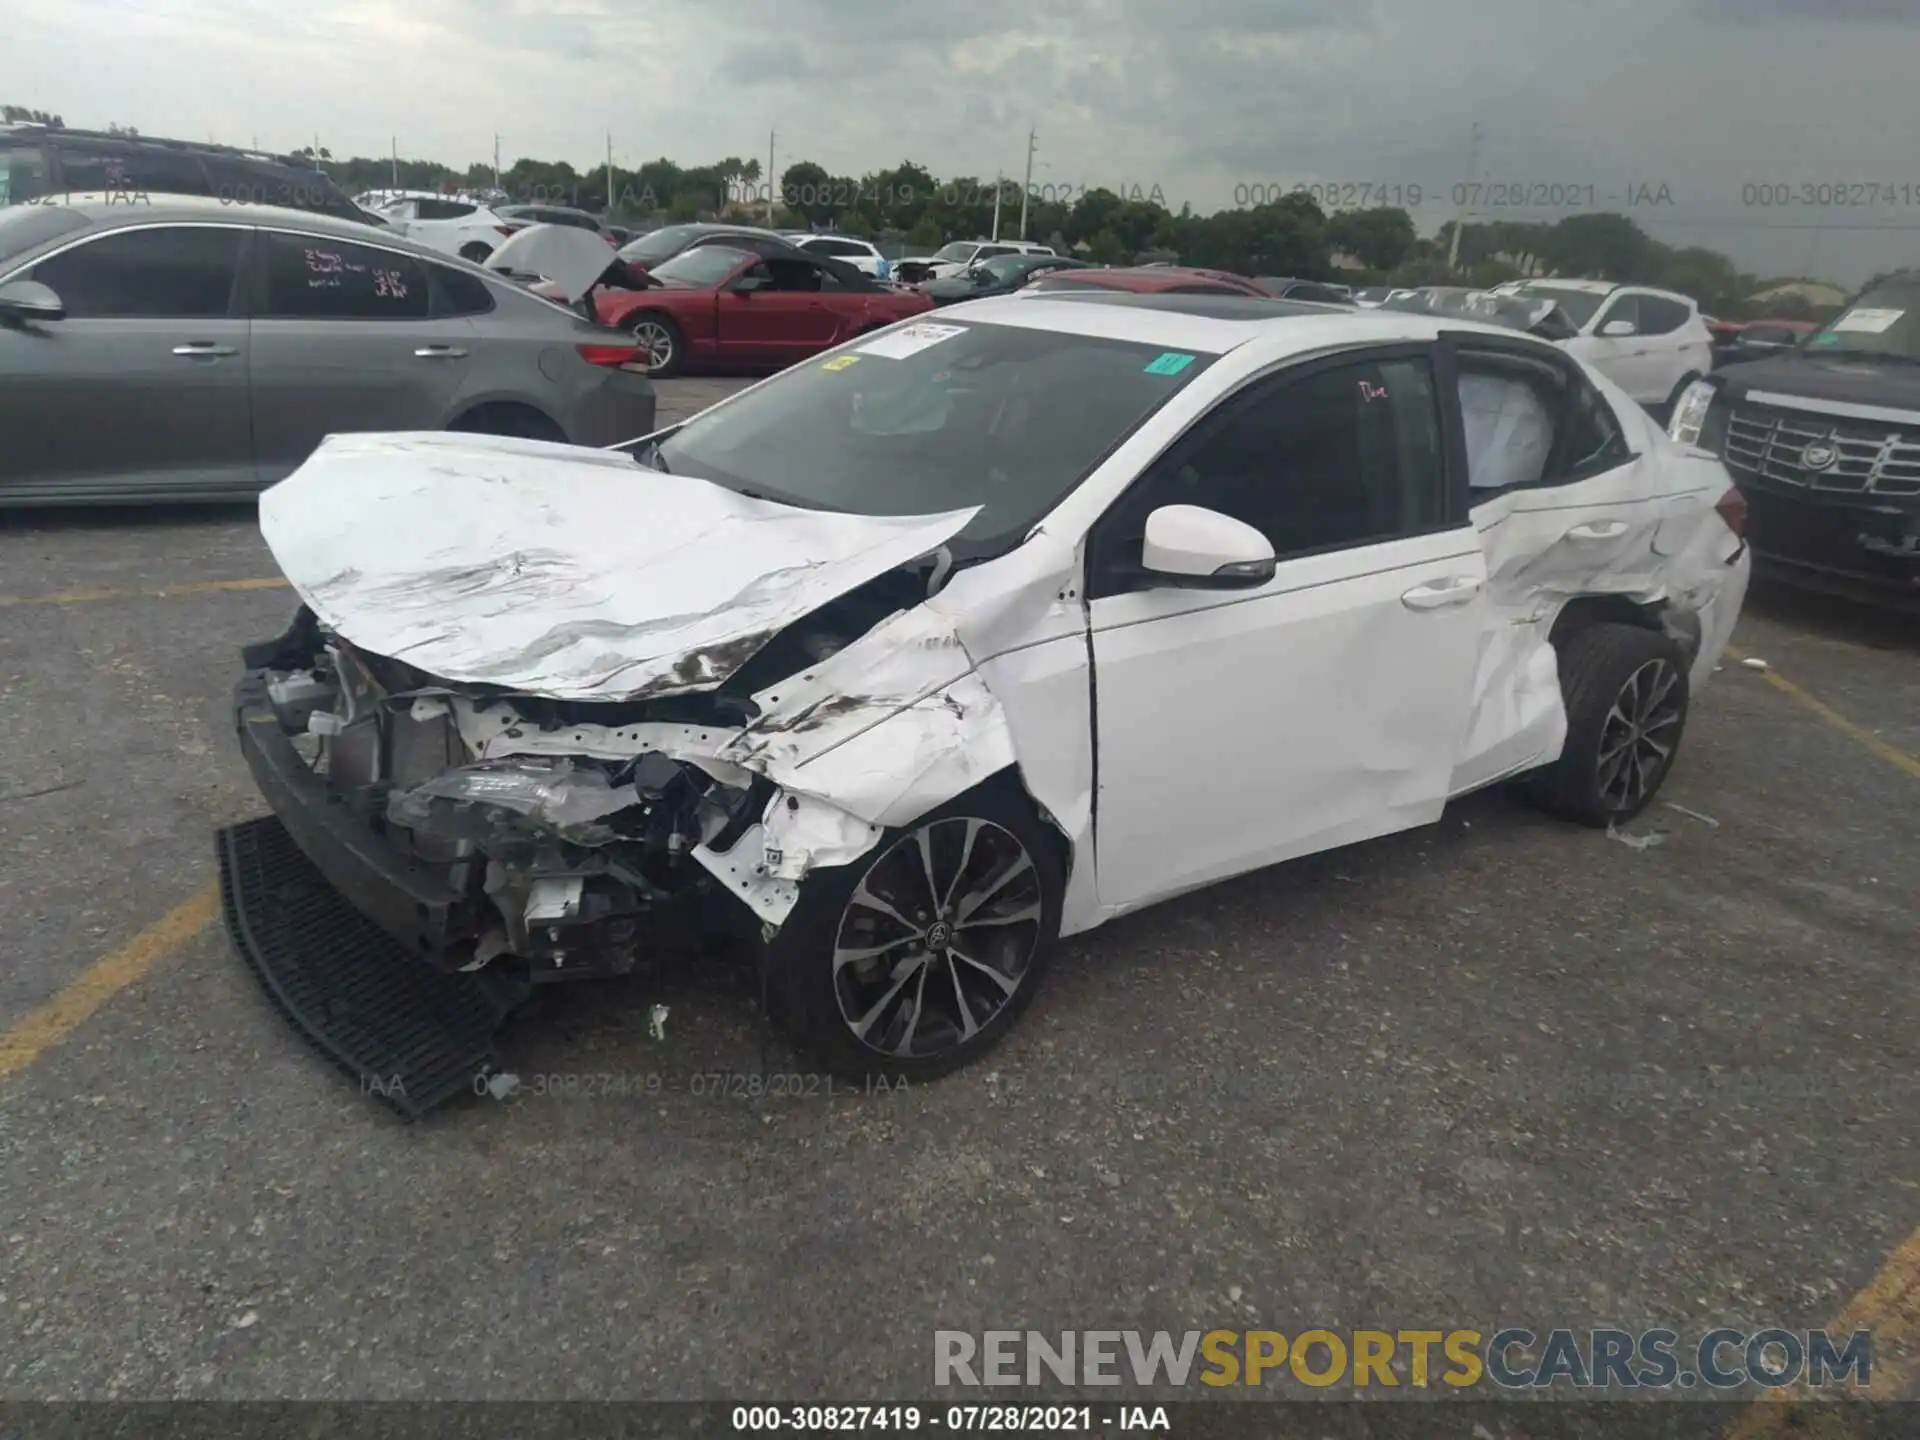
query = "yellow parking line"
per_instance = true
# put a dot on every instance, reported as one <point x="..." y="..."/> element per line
<point x="190" y="587"/>
<point x="47" y="1026"/>
<point x="1888" y="1307"/>
<point x="1864" y="738"/>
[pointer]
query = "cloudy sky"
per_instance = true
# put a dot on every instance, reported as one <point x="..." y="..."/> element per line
<point x="1205" y="99"/>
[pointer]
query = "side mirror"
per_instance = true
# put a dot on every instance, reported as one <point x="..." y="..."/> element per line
<point x="29" y="300"/>
<point x="747" y="284"/>
<point x="1189" y="546"/>
<point x="1619" y="327"/>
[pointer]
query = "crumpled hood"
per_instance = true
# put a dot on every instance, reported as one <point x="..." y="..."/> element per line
<point x="553" y="570"/>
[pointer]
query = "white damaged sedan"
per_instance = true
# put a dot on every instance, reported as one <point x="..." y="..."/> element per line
<point x="969" y="635"/>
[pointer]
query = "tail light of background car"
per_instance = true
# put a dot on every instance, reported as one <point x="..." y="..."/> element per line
<point x="1732" y="508"/>
<point x="612" y="356"/>
<point x="504" y="229"/>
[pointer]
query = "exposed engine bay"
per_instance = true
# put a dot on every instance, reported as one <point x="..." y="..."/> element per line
<point x="568" y="859"/>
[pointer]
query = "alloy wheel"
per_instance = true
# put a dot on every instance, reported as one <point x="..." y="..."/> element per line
<point x="1637" y="740"/>
<point x="655" y="343"/>
<point x="937" y="937"/>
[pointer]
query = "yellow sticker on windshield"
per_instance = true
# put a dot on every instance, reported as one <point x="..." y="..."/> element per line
<point x="840" y="362"/>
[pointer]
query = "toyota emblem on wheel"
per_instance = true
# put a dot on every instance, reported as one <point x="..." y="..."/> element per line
<point x="1819" y="456"/>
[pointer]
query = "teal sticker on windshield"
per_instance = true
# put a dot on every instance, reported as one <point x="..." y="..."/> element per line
<point x="1171" y="362"/>
<point x="1828" y="339"/>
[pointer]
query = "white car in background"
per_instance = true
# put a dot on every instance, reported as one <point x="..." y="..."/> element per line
<point x="962" y="255"/>
<point x="456" y="227"/>
<point x="1653" y="344"/>
<point x="862" y="255"/>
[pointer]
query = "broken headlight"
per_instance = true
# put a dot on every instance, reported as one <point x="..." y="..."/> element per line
<point x="501" y="801"/>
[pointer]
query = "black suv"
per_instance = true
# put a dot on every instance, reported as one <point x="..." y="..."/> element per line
<point x="1823" y="439"/>
<point x="39" y="162"/>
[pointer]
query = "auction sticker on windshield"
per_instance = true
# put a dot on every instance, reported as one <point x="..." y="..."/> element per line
<point x="910" y="340"/>
<point x="1873" y="321"/>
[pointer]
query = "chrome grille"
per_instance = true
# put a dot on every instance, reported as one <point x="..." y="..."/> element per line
<point x="1870" y="457"/>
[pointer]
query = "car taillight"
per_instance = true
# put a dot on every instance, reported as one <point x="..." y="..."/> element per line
<point x="1732" y="508"/>
<point x="609" y="355"/>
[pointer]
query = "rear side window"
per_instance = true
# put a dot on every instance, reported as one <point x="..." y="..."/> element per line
<point x="460" y="293"/>
<point x="254" y="182"/>
<point x="319" y="278"/>
<point x="443" y="210"/>
<point x="1509" y="408"/>
<point x="172" y="271"/>
<point x="1627" y="307"/>
<point x="1661" y="317"/>
<point x="136" y="168"/>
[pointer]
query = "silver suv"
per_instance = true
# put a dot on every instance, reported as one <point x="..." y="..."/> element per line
<point x="189" y="349"/>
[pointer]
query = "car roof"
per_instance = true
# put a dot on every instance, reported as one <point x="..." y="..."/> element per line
<point x="1591" y="287"/>
<point x="1215" y="324"/>
<point x="13" y="128"/>
<point x="105" y="212"/>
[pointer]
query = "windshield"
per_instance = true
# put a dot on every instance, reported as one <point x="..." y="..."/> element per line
<point x="1579" y="306"/>
<point x="1884" y="321"/>
<point x="659" y="244"/>
<point x="1007" y="267"/>
<point x="700" y="267"/>
<point x="22" y="227"/>
<point x="959" y="251"/>
<point x="932" y="417"/>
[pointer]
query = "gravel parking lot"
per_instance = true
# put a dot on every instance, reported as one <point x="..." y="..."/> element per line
<point x="1499" y="1071"/>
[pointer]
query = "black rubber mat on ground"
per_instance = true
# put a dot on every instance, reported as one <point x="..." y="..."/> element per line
<point x="414" y="1037"/>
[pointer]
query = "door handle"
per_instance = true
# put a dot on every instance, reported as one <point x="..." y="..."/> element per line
<point x="1454" y="590"/>
<point x="204" y="347"/>
<point x="1598" y="530"/>
<point x="439" y="352"/>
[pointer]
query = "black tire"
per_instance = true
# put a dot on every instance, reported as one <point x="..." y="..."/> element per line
<point x="651" y="332"/>
<point x="1626" y="695"/>
<point x="819" y="998"/>
<point x="476" y="252"/>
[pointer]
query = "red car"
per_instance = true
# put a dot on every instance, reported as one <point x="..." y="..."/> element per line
<point x="715" y="306"/>
<point x="1155" y="280"/>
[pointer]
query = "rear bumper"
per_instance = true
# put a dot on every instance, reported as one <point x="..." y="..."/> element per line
<point x="409" y="900"/>
<point x="620" y="407"/>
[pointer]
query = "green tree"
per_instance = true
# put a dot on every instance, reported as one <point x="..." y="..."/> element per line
<point x="808" y="190"/>
<point x="1379" y="238"/>
<point x="27" y="115"/>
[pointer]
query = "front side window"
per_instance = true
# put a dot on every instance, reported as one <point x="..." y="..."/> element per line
<point x="930" y="417"/>
<point x="172" y="271"/>
<point x="1346" y="455"/>
<point x="315" y="277"/>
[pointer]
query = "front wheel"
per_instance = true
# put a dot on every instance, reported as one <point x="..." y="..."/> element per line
<point x="1626" y="697"/>
<point x="914" y="960"/>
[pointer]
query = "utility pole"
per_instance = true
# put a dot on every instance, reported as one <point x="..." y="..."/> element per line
<point x="1466" y="200"/>
<point x="770" y="179"/>
<point x="998" y="177"/>
<point x="609" y="175"/>
<point x="1033" y="139"/>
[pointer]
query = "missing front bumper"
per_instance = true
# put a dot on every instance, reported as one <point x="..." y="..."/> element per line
<point x="413" y="1037"/>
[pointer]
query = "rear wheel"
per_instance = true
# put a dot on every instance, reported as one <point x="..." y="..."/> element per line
<point x="1626" y="696"/>
<point x="914" y="960"/>
<point x="662" y="346"/>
